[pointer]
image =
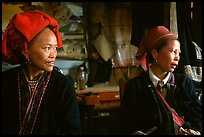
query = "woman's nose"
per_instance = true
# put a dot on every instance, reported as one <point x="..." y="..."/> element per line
<point x="177" y="57"/>
<point x="53" y="53"/>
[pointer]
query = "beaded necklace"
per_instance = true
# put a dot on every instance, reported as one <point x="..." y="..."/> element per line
<point x="28" y="121"/>
<point x="32" y="84"/>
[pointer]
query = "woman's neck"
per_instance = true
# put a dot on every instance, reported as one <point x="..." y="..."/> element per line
<point x="158" y="72"/>
<point x="33" y="73"/>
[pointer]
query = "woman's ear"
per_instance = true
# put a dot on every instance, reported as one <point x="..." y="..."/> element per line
<point x="154" y="53"/>
<point x="25" y="53"/>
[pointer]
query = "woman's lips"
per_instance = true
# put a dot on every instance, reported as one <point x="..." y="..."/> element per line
<point x="50" y="63"/>
<point x="173" y="65"/>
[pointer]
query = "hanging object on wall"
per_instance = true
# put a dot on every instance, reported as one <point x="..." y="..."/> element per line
<point x="58" y="10"/>
<point x="191" y="57"/>
<point x="195" y="72"/>
<point x="73" y="49"/>
<point x="120" y="30"/>
<point x="30" y="6"/>
<point x="125" y="56"/>
<point x="103" y="45"/>
<point x="173" y="18"/>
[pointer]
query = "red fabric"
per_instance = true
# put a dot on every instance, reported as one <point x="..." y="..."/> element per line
<point x="151" y="40"/>
<point x="21" y="29"/>
<point x="177" y="119"/>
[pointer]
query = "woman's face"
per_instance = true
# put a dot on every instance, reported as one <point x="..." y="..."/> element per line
<point x="42" y="50"/>
<point x="168" y="57"/>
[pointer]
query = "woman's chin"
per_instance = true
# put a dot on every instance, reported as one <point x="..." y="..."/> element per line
<point x="49" y="69"/>
<point x="171" y="70"/>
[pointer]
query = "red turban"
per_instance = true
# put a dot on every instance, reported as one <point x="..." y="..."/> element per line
<point x="152" y="40"/>
<point x="21" y="29"/>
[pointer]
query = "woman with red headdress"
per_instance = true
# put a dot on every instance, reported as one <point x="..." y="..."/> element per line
<point x="174" y="108"/>
<point x="36" y="97"/>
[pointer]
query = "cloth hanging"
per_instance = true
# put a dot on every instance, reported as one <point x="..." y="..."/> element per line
<point x="191" y="57"/>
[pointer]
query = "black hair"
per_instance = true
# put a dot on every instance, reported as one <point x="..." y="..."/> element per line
<point x="159" y="47"/>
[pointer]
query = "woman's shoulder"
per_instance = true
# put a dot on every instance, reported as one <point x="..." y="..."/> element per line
<point x="140" y="80"/>
<point x="58" y="76"/>
<point x="182" y="77"/>
<point x="142" y="76"/>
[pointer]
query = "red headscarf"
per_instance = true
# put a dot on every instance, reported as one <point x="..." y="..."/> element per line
<point x="152" y="40"/>
<point x="21" y="29"/>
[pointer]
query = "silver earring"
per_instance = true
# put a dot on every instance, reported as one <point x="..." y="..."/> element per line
<point x="28" y="61"/>
<point x="156" y="61"/>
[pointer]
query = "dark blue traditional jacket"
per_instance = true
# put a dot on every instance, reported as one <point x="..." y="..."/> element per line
<point x="142" y="108"/>
<point x="58" y="114"/>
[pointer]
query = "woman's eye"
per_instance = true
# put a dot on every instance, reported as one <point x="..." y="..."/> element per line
<point x="47" y="48"/>
<point x="175" y="52"/>
<point x="50" y="48"/>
